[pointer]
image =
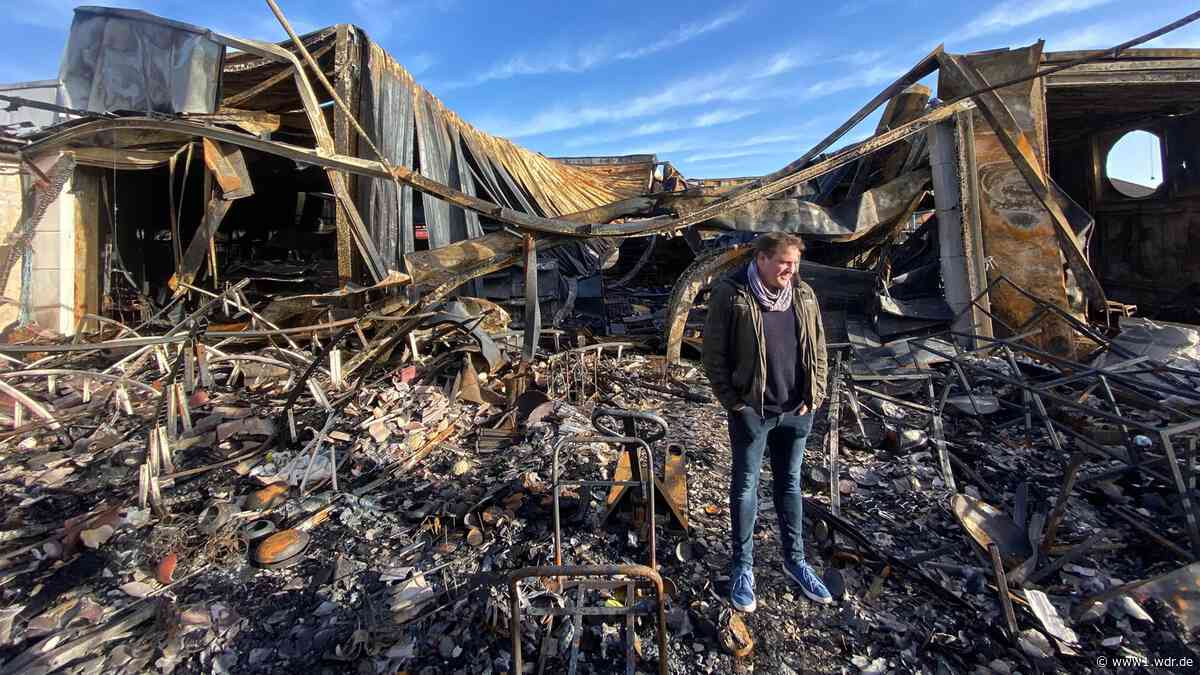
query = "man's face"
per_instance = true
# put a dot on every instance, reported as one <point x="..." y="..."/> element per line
<point x="778" y="268"/>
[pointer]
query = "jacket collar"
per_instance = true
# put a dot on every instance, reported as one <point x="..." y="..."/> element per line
<point x="741" y="277"/>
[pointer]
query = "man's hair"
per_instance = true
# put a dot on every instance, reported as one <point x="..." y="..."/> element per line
<point x="773" y="242"/>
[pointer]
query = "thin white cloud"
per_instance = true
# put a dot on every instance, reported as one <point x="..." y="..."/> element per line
<point x="784" y="62"/>
<point x="1016" y="13"/>
<point x="685" y="33"/>
<point x="715" y="117"/>
<point x="852" y="7"/>
<point x="674" y="145"/>
<point x="772" y="139"/>
<point x="574" y="59"/>
<point x="709" y="149"/>
<point x="863" y="77"/>
<point x="56" y="14"/>
<point x="731" y="85"/>
<point x="1105" y="35"/>
<point x="648" y="129"/>
<point x="729" y="154"/>
<point x="720" y="87"/>
<point x="1096" y="36"/>
<point x="419" y="63"/>
<point x="800" y="57"/>
<point x="701" y="121"/>
<point x="862" y="57"/>
<point x="381" y="17"/>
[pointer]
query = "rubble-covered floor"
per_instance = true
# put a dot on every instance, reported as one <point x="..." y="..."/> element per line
<point x="406" y="570"/>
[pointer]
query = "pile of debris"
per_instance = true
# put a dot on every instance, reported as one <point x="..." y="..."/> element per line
<point x="201" y="500"/>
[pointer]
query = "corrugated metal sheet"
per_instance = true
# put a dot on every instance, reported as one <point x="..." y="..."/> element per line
<point x="113" y="62"/>
<point x="629" y="179"/>
<point x="252" y="82"/>
<point x="411" y="126"/>
<point x="433" y="147"/>
<point x="556" y="187"/>
<point x="387" y="114"/>
<point x="461" y="179"/>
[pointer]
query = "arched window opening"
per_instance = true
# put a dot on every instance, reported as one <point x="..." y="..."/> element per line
<point x="1134" y="165"/>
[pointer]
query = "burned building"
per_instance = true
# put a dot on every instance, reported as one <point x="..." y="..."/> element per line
<point x="287" y="327"/>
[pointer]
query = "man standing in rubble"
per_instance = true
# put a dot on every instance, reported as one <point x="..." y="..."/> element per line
<point x="764" y="352"/>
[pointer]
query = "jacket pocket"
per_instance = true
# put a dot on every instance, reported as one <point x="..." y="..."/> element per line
<point x="744" y="350"/>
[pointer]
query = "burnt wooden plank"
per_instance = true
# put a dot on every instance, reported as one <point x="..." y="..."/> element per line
<point x="228" y="168"/>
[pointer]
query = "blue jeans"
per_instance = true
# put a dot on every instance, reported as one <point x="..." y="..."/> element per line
<point x="749" y="437"/>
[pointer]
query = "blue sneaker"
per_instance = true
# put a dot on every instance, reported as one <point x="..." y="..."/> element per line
<point x="741" y="589"/>
<point x="802" y="573"/>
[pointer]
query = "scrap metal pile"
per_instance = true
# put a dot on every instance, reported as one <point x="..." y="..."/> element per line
<point x="202" y="499"/>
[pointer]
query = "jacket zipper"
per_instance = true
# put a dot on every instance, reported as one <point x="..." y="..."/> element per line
<point x="801" y="338"/>
<point x="756" y="313"/>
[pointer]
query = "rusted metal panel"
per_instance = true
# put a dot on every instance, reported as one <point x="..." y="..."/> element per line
<point x="434" y="148"/>
<point x="464" y="224"/>
<point x="1018" y="233"/>
<point x="193" y="257"/>
<point x="228" y="167"/>
<point x="555" y="188"/>
<point x="403" y="118"/>
<point x="848" y="221"/>
<point x="629" y="175"/>
<point x="387" y="113"/>
<point x="886" y="164"/>
<point x="486" y="176"/>
<point x="1069" y="221"/>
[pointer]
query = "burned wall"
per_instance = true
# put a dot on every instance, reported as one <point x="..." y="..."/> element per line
<point x="1018" y="232"/>
<point x="1146" y="248"/>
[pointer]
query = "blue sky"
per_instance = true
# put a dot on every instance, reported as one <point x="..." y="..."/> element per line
<point x="719" y="89"/>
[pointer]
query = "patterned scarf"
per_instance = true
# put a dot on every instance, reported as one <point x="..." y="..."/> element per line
<point x="770" y="299"/>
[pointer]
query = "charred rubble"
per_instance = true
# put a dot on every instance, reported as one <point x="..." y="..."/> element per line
<point x="335" y="381"/>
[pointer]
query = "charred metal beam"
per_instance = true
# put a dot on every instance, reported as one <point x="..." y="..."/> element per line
<point x="833" y="436"/>
<point x="1010" y="617"/>
<point x="923" y="68"/>
<point x="533" y="308"/>
<point x="903" y="107"/>
<point x="1020" y="150"/>
<point x="228" y="168"/>
<point x="336" y="163"/>
<point x="325" y="143"/>
<point x="193" y="258"/>
<point x="237" y="99"/>
<point x="254" y="121"/>
<point x="850" y="220"/>
<point x="698" y="276"/>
